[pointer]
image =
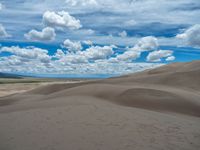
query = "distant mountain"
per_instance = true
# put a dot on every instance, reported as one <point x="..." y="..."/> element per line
<point x="9" y="75"/>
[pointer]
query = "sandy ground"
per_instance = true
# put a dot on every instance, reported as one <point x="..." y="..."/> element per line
<point x="154" y="110"/>
<point x="14" y="88"/>
<point x="7" y="89"/>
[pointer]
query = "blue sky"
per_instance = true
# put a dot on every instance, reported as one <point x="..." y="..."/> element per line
<point x="96" y="37"/>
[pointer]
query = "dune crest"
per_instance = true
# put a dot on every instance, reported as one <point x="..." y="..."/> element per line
<point x="171" y="88"/>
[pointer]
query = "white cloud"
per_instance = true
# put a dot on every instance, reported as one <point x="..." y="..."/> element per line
<point x="94" y="60"/>
<point x="61" y="19"/>
<point x="13" y="64"/>
<point x="71" y="59"/>
<point x="28" y="53"/>
<point x="13" y="60"/>
<point x="156" y="56"/>
<point x="72" y="46"/>
<point x="59" y="54"/>
<point x="88" y="42"/>
<point x="191" y="36"/>
<point x="97" y="52"/>
<point x="146" y="44"/>
<point x="123" y="34"/>
<point x="93" y="53"/>
<point x="3" y="33"/>
<point x="81" y="2"/>
<point x="170" y="58"/>
<point x="129" y="55"/>
<point x="47" y="34"/>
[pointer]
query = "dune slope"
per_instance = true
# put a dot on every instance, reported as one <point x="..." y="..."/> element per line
<point x="153" y="109"/>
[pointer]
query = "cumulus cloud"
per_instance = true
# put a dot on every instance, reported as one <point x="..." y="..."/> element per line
<point x="129" y="55"/>
<point x="88" y="42"/>
<point x="28" y="53"/>
<point x="11" y="61"/>
<point x="3" y="33"/>
<point x="61" y="19"/>
<point x="62" y="66"/>
<point x="59" y="54"/>
<point x="170" y="58"/>
<point x="81" y="2"/>
<point x="71" y="58"/>
<point x="191" y="36"/>
<point x="47" y="34"/>
<point x="156" y="56"/>
<point x="92" y="53"/>
<point x="93" y="60"/>
<point x="97" y="52"/>
<point x="72" y="46"/>
<point x="123" y="34"/>
<point x="146" y="44"/>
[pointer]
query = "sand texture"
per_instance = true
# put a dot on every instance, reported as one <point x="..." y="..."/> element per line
<point x="155" y="109"/>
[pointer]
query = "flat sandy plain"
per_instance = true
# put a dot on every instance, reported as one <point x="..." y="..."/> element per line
<point x="156" y="109"/>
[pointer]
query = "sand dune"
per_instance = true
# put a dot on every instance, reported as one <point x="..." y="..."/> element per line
<point x="154" y="109"/>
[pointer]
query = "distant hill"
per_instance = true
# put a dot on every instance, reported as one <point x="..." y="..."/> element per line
<point x="9" y="75"/>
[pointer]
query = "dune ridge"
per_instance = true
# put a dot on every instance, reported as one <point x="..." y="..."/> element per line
<point x="170" y="88"/>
